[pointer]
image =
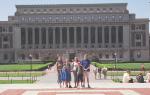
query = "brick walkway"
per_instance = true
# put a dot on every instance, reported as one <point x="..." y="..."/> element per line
<point x="92" y="91"/>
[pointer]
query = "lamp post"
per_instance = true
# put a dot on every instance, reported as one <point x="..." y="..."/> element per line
<point x="115" y="54"/>
<point x="30" y="57"/>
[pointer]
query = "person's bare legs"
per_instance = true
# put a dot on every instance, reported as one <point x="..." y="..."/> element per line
<point x="83" y="83"/>
<point x="86" y="78"/>
<point x="75" y="79"/>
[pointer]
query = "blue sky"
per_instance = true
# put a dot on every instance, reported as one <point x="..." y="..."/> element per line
<point x="139" y="7"/>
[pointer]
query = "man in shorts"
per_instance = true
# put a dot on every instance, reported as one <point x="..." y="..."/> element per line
<point x="86" y="69"/>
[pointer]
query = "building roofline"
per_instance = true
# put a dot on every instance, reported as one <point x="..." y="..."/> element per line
<point x="141" y="19"/>
<point x="5" y="22"/>
<point x="71" y="5"/>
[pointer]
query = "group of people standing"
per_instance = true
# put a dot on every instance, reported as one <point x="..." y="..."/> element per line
<point x="98" y="72"/>
<point x="80" y="70"/>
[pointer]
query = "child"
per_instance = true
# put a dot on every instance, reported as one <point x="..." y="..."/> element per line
<point x="66" y="74"/>
<point x="80" y="75"/>
<point x="63" y="75"/>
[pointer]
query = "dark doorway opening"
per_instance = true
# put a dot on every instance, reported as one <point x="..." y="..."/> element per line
<point x="71" y="56"/>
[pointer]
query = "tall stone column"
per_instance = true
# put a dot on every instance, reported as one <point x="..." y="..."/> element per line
<point x="54" y="37"/>
<point x="109" y="36"/>
<point x="16" y="41"/>
<point x="96" y="37"/>
<point x="117" y="42"/>
<point x="33" y="37"/>
<point x="75" y="37"/>
<point x="47" y="37"/>
<point x="82" y="37"/>
<point x="40" y="38"/>
<point x="26" y="31"/>
<point x="60" y="37"/>
<point x="103" y="37"/>
<point x="1" y="42"/>
<point x="68" y="37"/>
<point x="89" y="36"/>
<point x="17" y="38"/>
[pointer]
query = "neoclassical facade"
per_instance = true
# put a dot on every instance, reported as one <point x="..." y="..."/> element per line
<point x="103" y="31"/>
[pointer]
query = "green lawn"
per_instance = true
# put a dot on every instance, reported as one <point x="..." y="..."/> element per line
<point x="23" y="67"/>
<point x="21" y="74"/>
<point x="16" y="81"/>
<point x="120" y="73"/>
<point x="123" y="66"/>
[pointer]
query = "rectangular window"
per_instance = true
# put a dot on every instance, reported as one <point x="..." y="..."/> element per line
<point x="64" y="35"/>
<point x="30" y="34"/>
<point x="106" y="34"/>
<point x="85" y="34"/>
<point x="144" y="39"/>
<point x="0" y="42"/>
<point x="0" y="29"/>
<point x="113" y="34"/>
<point x="23" y="36"/>
<point x="143" y="26"/>
<point x="43" y="31"/>
<point x="5" y="56"/>
<point x="36" y="35"/>
<point x="120" y="34"/>
<point x="10" y="28"/>
<point x="50" y="35"/>
<point x="92" y="34"/>
<point x="78" y="35"/>
<point x="99" y="34"/>
<point x="57" y="35"/>
<point x="133" y="27"/>
<point x="71" y="35"/>
<point x="138" y="44"/>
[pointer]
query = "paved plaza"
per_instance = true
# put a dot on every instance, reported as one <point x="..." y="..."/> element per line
<point x="47" y="85"/>
<point x="98" y="89"/>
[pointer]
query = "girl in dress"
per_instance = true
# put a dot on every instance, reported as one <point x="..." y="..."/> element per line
<point x="68" y="74"/>
<point x="63" y="75"/>
<point x="74" y="70"/>
<point x="59" y="66"/>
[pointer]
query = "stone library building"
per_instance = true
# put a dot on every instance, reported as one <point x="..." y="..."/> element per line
<point x="105" y="31"/>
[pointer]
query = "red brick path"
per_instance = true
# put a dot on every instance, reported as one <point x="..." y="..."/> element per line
<point x="141" y="91"/>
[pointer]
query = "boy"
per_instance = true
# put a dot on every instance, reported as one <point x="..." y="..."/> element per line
<point x="80" y="75"/>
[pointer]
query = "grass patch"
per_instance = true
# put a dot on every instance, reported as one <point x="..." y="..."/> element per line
<point x="23" y="67"/>
<point x="16" y="81"/>
<point x="122" y="66"/>
<point x="117" y="80"/>
<point x="120" y="73"/>
<point x="21" y="74"/>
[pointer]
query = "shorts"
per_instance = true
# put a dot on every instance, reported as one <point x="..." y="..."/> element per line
<point x="86" y="74"/>
<point x="80" y="77"/>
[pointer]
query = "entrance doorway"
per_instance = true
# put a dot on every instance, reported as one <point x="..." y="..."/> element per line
<point x="71" y="56"/>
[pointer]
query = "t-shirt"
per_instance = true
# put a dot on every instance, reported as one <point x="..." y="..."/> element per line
<point x="126" y="78"/>
<point x="85" y="64"/>
<point x="59" y="65"/>
<point x="80" y="70"/>
<point x="148" y="77"/>
<point x="75" y="66"/>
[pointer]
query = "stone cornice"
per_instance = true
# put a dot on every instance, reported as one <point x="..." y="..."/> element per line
<point x="72" y="5"/>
